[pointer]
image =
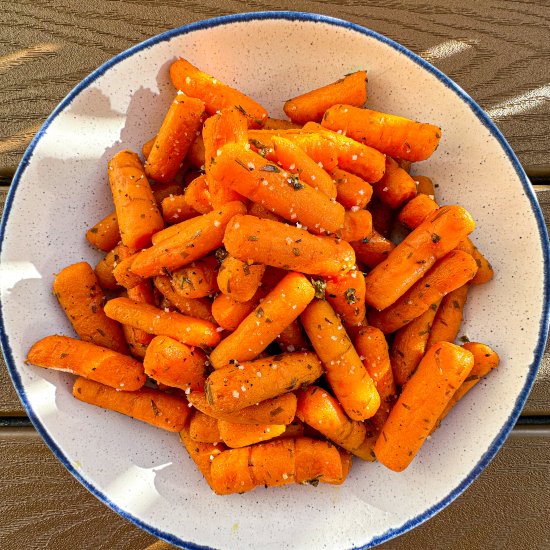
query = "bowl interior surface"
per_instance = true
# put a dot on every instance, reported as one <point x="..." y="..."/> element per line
<point x="145" y="473"/>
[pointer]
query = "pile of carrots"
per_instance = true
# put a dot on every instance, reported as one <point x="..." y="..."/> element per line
<point x="281" y="293"/>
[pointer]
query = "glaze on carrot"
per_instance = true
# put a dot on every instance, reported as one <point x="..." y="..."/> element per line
<point x="346" y="294"/>
<point x="242" y="435"/>
<point x="198" y="279"/>
<point x="105" y="234"/>
<point x="229" y="313"/>
<point x="372" y="250"/>
<point x="238" y="279"/>
<point x="176" y="209"/>
<point x="204" y="428"/>
<point x="396" y="186"/>
<point x="448" y="318"/>
<point x="357" y="225"/>
<point x="351" y="190"/>
<point x="197" y="195"/>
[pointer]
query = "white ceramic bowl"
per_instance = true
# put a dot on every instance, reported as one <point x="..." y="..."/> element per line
<point x="61" y="188"/>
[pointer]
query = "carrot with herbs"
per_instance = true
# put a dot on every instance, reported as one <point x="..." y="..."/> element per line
<point x="373" y="249"/>
<point x="242" y="435"/>
<point x="396" y="186"/>
<point x="239" y="279"/>
<point x="147" y="146"/>
<point x="197" y="195"/>
<point x="105" y="234"/>
<point x="346" y="294"/>
<point x="448" y="318"/>
<point x="292" y="338"/>
<point x="442" y="370"/>
<point x="417" y="210"/>
<point x="105" y="267"/>
<point x="138" y="339"/>
<point x="88" y="360"/>
<point x="351" y="190"/>
<point x="259" y="211"/>
<point x="155" y="407"/>
<point x="198" y="279"/>
<point x="204" y="428"/>
<point x="357" y="225"/>
<point x="229" y="313"/>
<point x="176" y="209"/>
<point x="124" y="275"/>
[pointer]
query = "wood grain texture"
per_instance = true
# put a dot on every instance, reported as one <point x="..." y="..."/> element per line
<point x="502" y="510"/>
<point x="498" y="52"/>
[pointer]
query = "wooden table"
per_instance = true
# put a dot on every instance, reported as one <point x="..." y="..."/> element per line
<point x="498" y="52"/>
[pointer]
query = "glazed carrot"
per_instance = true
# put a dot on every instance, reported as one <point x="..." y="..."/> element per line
<point x="238" y="279"/>
<point x="105" y="234"/>
<point x="448" y="318"/>
<point x="396" y="186"/>
<point x="136" y="209"/>
<point x="229" y="313"/>
<point x="176" y="209"/>
<point x="424" y="186"/>
<point x="197" y="195"/>
<point x="155" y="407"/>
<point x="449" y="273"/>
<point x="237" y="386"/>
<point x="215" y="94"/>
<point x="346" y="374"/>
<point x="124" y="275"/>
<point x="352" y="191"/>
<point x="373" y="249"/>
<point x="230" y="472"/>
<point x="292" y="338"/>
<point x="346" y="294"/>
<point x="425" y="396"/>
<point x="194" y="239"/>
<point x="259" y="211"/>
<point x="85" y="359"/>
<point x="272" y="243"/>
<point x="147" y="146"/>
<point x="277" y="310"/>
<point x="279" y="124"/>
<point x="295" y="160"/>
<point x="78" y="291"/>
<point x="242" y="435"/>
<point x="137" y="339"/>
<point x="196" y="280"/>
<point x="104" y="268"/>
<point x="393" y="135"/>
<point x="351" y="89"/>
<point x="485" y="270"/>
<point x="276" y="189"/>
<point x="438" y="234"/>
<point x="187" y="330"/>
<point x="178" y="131"/>
<point x="195" y="155"/>
<point x="357" y="225"/>
<point x="317" y="461"/>
<point x="204" y="428"/>
<point x="175" y="364"/>
<point x="278" y="410"/>
<point x="410" y="343"/>
<point x="417" y="210"/>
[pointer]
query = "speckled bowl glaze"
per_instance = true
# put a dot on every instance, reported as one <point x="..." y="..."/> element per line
<point x="61" y="188"/>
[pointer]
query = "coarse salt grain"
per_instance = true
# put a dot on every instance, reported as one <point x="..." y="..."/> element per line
<point x="236" y="394"/>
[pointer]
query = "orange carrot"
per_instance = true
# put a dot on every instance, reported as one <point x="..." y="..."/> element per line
<point x="259" y="211"/>
<point x="351" y="89"/>
<point x="203" y="428"/>
<point x="78" y="291"/>
<point x="448" y="274"/>
<point x="105" y="234"/>
<point x="152" y="320"/>
<point x="448" y="318"/>
<point x="195" y="155"/>
<point x="175" y="364"/>
<point x="485" y="270"/>
<point x="272" y="243"/>
<point x="352" y="191"/>
<point x="215" y="94"/>
<point x="425" y="186"/>
<point x="198" y="279"/>
<point x="238" y="279"/>
<point x="104" y="268"/>
<point x="197" y="195"/>
<point x="124" y="275"/>
<point x="393" y="135"/>
<point x="85" y="359"/>
<point x="416" y="254"/>
<point x="279" y="124"/>
<point x="147" y="146"/>
<point x="317" y="461"/>
<point x="137" y="339"/>
<point x="292" y="338"/>
<point x="373" y="249"/>
<point x="417" y="210"/>
<point x="136" y="209"/>
<point x="425" y="396"/>
<point x="237" y="386"/>
<point x="279" y="308"/>
<point x="176" y="209"/>
<point x="396" y="186"/>
<point x="357" y="225"/>
<point x="346" y="374"/>
<point x="242" y="435"/>
<point x="229" y="313"/>
<point x="178" y="131"/>
<point x="194" y="239"/>
<point x="346" y="294"/>
<point x="157" y="408"/>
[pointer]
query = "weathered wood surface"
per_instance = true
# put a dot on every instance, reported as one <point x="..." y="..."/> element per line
<point x="499" y="53"/>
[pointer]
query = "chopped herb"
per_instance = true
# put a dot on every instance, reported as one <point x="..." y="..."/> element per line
<point x="156" y="411"/>
<point x="221" y="254"/>
<point x="268" y="320"/>
<point x="100" y="331"/>
<point x="435" y="238"/>
<point x="350" y="296"/>
<point x="409" y="255"/>
<point x="408" y="407"/>
<point x="293" y="384"/>
<point x="259" y="313"/>
<point x="329" y="321"/>
<point x="269" y="168"/>
<point x="276" y="411"/>
<point x="241" y="163"/>
<point x="296" y="251"/>
<point x="167" y="272"/>
<point x="434" y="307"/>
<point x="185" y="281"/>
<point x="365" y="240"/>
<point x="63" y="355"/>
<point x="314" y="481"/>
<point x="464" y="339"/>
<point x="93" y="230"/>
<point x="252" y="237"/>
<point x="456" y="305"/>
<point x="319" y="285"/>
<point x="246" y="269"/>
<point x="294" y="182"/>
<point x="263" y="150"/>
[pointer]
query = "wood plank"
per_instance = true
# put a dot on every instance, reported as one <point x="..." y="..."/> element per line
<point x="503" y="509"/>
<point x="500" y="56"/>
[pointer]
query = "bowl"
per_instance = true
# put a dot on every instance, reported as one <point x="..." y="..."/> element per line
<point x="61" y="188"/>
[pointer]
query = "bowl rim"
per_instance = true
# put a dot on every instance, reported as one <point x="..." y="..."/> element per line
<point x="497" y="442"/>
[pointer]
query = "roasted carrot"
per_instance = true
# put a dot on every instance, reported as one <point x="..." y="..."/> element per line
<point x="238" y="279"/>
<point x="229" y="313"/>
<point x="147" y="146"/>
<point x="442" y="370"/>
<point x="78" y="291"/>
<point x="417" y="210"/>
<point x="373" y="249"/>
<point x="357" y="225"/>
<point x="424" y="186"/>
<point x="188" y="330"/>
<point x="176" y="209"/>
<point x="88" y="360"/>
<point x="136" y="209"/>
<point x="242" y="435"/>
<point x="416" y="254"/>
<point x="175" y="364"/>
<point x="137" y="339"/>
<point x="346" y="374"/>
<point x="237" y="386"/>
<point x="105" y="234"/>
<point x="396" y="186"/>
<point x="448" y="274"/>
<point x="279" y="124"/>
<point x="272" y="243"/>
<point x="197" y="195"/>
<point x="194" y="239"/>
<point x="351" y="190"/>
<point x="104" y="268"/>
<point x="155" y="407"/>
<point x="352" y="89"/>
<point x="259" y="211"/>
<point x="204" y="428"/>
<point x="448" y="318"/>
<point x="124" y="275"/>
<point x="346" y="294"/>
<point x="317" y="461"/>
<point x="393" y="135"/>
<point x="198" y="279"/>
<point x="292" y="338"/>
<point x="485" y="270"/>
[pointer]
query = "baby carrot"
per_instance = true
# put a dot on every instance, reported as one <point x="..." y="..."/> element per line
<point x="346" y="294"/>
<point x="194" y="239"/>
<point x="417" y="210"/>
<point x="485" y="271"/>
<point x="396" y="186"/>
<point x="197" y="195"/>
<point x="393" y="135"/>
<point x="357" y="225"/>
<point x="105" y="234"/>
<point x="317" y="461"/>
<point x="157" y="408"/>
<point x="124" y="275"/>
<point x="152" y="320"/>
<point x="104" y="268"/>
<point x="203" y="428"/>
<point x="448" y="274"/>
<point x="277" y="310"/>
<point x="137" y="339"/>
<point x="438" y="234"/>
<point x="448" y="318"/>
<point x="195" y="155"/>
<point x="237" y="386"/>
<point x="272" y="243"/>
<point x="424" y="186"/>
<point x="373" y="249"/>
<point x="78" y="291"/>
<point x="178" y="131"/>
<point x="215" y="94"/>
<point x="346" y="374"/>
<point x="242" y="435"/>
<point x="292" y="338"/>
<point x="425" y="396"/>
<point x="175" y="364"/>
<point x="88" y="360"/>
<point x="229" y="313"/>
<point x="238" y="279"/>
<point x="176" y="209"/>
<point x="147" y="146"/>
<point x="352" y="89"/>
<point x="198" y="279"/>
<point x="351" y="190"/>
<point x="136" y="209"/>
